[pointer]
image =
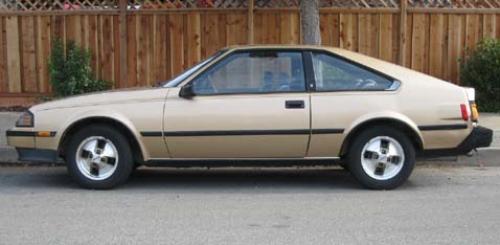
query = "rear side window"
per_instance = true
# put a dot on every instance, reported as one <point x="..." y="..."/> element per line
<point x="334" y="74"/>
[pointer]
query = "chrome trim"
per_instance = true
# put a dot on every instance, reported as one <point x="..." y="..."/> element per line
<point x="394" y="86"/>
<point x="243" y="158"/>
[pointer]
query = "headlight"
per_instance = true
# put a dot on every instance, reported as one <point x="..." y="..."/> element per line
<point x="26" y="120"/>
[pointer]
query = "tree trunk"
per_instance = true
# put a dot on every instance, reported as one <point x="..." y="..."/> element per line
<point x="309" y="18"/>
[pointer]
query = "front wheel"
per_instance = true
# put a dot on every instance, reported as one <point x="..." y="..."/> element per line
<point x="99" y="157"/>
<point x="381" y="158"/>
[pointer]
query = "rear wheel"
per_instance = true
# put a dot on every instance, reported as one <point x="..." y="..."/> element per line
<point x="99" y="157"/>
<point x="381" y="158"/>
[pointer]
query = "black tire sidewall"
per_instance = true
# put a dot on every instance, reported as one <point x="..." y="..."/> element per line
<point x="125" y="158"/>
<point x="355" y="152"/>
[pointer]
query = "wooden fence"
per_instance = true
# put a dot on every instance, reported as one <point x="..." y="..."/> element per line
<point x="138" y="43"/>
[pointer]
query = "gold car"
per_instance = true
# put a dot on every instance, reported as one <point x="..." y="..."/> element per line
<point x="260" y="103"/>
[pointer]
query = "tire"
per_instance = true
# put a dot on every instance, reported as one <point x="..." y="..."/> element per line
<point x="344" y="165"/>
<point x="377" y="167"/>
<point x="90" y="161"/>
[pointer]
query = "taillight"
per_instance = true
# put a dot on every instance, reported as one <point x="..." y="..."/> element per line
<point x="465" y="114"/>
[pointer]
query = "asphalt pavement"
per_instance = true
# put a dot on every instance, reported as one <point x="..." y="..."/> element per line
<point x="438" y="205"/>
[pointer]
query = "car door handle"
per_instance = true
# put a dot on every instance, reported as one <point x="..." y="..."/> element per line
<point x="294" y="104"/>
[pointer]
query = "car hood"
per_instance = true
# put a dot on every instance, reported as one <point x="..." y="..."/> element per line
<point x="122" y="96"/>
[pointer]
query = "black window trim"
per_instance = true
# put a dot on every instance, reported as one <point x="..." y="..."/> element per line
<point x="396" y="84"/>
<point x="297" y="50"/>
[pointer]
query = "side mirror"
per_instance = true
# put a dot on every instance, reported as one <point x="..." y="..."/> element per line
<point x="187" y="91"/>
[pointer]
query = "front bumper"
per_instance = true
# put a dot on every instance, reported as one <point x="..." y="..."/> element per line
<point x="478" y="138"/>
<point x="33" y="146"/>
<point x="36" y="155"/>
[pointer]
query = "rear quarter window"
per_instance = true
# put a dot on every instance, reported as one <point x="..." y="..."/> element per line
<point x="334" y="74"/>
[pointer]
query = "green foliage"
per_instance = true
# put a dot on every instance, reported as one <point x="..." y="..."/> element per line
<point x="480" y="69"/>
<point x="70" y="71"/>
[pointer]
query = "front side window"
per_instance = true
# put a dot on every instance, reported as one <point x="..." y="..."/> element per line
<point x="333" y="74"/>
<point x="253" y="72"/>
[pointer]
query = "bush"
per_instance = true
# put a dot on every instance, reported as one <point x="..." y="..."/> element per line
<point x="480" y="68"/>
<point x="71" y="73"/>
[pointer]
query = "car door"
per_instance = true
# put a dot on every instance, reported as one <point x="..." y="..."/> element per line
<point x="344" y="92"/>
<point x="250" y="104"/>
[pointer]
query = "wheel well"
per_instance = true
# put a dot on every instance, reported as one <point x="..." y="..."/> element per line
<point x="75" y="127"/>
<point x="403" y="127"/>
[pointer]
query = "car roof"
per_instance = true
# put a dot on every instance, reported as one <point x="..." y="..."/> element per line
<point x="277" y="46"/>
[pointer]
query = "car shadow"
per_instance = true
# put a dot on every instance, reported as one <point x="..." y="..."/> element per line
<point x="241" y="178"/>
<point x="192" y="180"/>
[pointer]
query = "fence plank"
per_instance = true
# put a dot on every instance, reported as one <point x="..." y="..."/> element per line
<point x="236" y="29"/>
<point x="177" y="43"/>
<point x="289" y="28"/>
<point x="107" y="46"/>
<point x="214" y="34"/>
<point x="472" y="30"/>
<point x="437" y="40"/>
<point x="3" y="59"/>
<point x="418" y="58"/>
<point x="132" y="50"/>
<point x="456" y="30"/>
<point x="73" y="29"/>
<point x="349" y="31"/>
<point x="386" y="37"/>
<point x="13" y="54"/>
<point x="116" y="49"/>
<point x="43" y="46"/>
<point x="143" y="49"/>
<point x="93" y="44"/>
<point x="489" y="26"/>
<point x="162" y="44"/>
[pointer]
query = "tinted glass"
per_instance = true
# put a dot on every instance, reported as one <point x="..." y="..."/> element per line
<point x="333" y="74"/>
<point x="253" y="72"/>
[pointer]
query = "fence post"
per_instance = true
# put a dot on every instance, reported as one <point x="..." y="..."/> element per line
<point x="123" y="44"/>
<point x="250" y="21"/>
<point x="402" y="31"/>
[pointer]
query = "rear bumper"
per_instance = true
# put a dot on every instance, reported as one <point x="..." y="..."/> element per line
<point x="478" y="138"/>
<point x="36" y="155"/>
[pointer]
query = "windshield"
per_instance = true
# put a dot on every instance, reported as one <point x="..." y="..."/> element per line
<point x="177" y="80"/>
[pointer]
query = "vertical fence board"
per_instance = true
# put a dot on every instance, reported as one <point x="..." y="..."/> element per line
<point x="326" y="29"/>
<point x="143" y="49"/>
<point x="386" y="37"/>
<point x="3" y="67"/>
<point x="489" y="25"/>
<point x="43" y="45"/>
<point x="177" y="43"/>
<point x="132" y="50"/>
<point x="236" y="29"/>
<point x="116" y="52"/>
<point x="289" y="28"/>
<point x="28" y="58"/>
<point x="107" y="46"/>
<point x="408" y="41"/>
<point x="162" y="45"/>
<point x="193" y="38"/>
<point x="368" y="31"/>
<point x="349" y="31"/>
<point x="13" y="54"/>
<point x="437" y="40"/>
<point x="456" y="43"/>
<point x="472" y="30"/>
<point x="418" y="43"/>
<point x="214" y="34"/>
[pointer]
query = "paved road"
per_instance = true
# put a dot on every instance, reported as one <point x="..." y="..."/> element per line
<point x="439" y="205"/>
